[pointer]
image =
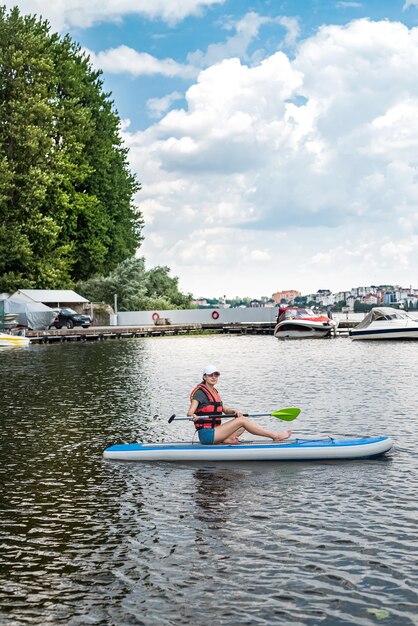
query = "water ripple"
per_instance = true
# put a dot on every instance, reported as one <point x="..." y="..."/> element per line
<point x="84" y="541"/>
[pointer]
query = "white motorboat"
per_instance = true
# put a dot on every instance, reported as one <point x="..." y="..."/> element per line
<point x="300" y="323"/>
<point x="7" y="341"/>
<point x="386" y="323"/>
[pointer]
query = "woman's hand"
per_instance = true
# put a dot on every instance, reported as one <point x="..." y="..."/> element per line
<point x="238" y="414"/>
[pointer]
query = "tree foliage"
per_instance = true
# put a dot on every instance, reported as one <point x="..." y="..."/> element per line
<point x="137" y="289"/>
<point x="361" y="307"/>
<point x="237" y="301"/>
<point x="66" y="210"/>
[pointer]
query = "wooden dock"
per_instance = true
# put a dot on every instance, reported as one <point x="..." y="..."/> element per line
<point x="100" y="333"/>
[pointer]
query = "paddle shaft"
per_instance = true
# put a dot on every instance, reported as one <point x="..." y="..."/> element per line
<point x="173" y="417"/>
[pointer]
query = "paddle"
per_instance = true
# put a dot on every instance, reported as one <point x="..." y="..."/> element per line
<point x="288" y="415"/>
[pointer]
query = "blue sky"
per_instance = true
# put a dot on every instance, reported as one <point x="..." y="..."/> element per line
<point x="276" y="141"/>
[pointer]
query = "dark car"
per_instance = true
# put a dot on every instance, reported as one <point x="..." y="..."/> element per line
<point x="70" y="318"/>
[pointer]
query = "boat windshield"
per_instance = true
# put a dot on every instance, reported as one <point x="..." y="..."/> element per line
<point x="295" y="314"/>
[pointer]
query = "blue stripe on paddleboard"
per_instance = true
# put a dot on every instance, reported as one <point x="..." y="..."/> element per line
<point x="299" y="443"/>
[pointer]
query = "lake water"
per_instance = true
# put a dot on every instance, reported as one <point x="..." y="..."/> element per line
<point x="88" y="542"/>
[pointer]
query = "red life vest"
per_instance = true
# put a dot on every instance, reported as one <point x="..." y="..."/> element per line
<point x="214" y="405"/>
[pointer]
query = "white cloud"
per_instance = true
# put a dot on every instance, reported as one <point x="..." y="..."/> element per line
<point x="328" y="189"/>
<point x="158" y="106"/>
<point x="260" y="256"/>
<point x="246" y="31"/>
<point x="382" y="257"/>
<point x="125" y="124"/>
<point x="65" y="14"/>
<point x="348" y="5"/>
<point x="291" y="24"/>
<point x="125" y="60"/>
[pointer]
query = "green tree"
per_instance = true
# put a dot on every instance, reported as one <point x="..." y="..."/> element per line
<point x="137" y="289"/>
<point x="236" y="302"/>
<point x="66" y="210"/>
<point x="339" y="305"/>
<point x="160" y="284"/>
<point x="361" y="307"/>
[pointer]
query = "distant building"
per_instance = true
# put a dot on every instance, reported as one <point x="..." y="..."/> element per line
<point x="288" y="296"/>
<point x="379" y="294"/>
<point x="373" y="295"/>
<point x="326" y="300"/>
<point x="350" y="302"/>
<point x="359" y="291"/>
<point x="371" y="298"/>
<point x="389" y="297"/>
<point x="342" y="296"/>
<point x="401" y="293"/>
<point x="411" y="301"/>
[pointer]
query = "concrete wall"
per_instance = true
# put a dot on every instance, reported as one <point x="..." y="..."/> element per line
<point x="204" y="316"/>
<point x="199" y="316"/>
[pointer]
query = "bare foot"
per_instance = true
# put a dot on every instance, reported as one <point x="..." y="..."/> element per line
<point x="231" y="441"/>
<point x="281" y="436"/>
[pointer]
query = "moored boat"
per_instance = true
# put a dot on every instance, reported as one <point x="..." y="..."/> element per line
<point x="290" y="450"/>
<point x="7" y="340"/>
<point x="386" y="323"/>
<point x="300" y="323"/>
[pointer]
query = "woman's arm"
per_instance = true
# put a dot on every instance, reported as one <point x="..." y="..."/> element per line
<point x="233" y="412"/>
<point x="192" y="409"/>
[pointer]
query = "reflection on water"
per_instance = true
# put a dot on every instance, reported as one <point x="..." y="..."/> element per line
<point x="85" y="541"/>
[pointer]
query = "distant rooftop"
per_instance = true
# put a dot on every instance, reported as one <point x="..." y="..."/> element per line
<point x="66" y="296"/>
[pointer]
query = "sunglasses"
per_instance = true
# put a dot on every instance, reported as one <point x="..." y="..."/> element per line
<point x="214" y="374"/>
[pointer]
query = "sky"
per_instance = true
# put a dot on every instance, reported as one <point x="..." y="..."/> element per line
<point x="276" y="141"/>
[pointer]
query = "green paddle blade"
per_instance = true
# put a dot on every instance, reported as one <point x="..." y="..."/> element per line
<point x="288" y="415"/>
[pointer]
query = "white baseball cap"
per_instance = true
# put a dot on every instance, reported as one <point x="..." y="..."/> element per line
<point x="210" y="369"/>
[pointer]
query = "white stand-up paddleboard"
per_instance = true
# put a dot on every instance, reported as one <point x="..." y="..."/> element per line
<point x="289" y="450"/>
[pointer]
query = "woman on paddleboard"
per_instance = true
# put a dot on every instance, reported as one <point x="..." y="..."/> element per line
<point x="206" y="405"/>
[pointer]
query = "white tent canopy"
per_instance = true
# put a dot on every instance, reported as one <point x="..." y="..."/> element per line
<point x="50" y="296"/>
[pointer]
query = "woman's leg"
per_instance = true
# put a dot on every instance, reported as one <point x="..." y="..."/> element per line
<point x="234" y="438"/>
<point x="227" y="429"/>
